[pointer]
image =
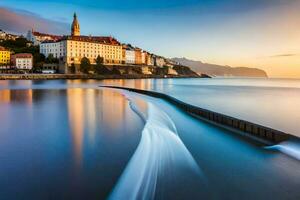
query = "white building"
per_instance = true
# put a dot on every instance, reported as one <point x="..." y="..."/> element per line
<point x="71" y="49"/>
<point x="130" y="56"/>
<point x="22" y="61"/>
<point x="57" y="49"/>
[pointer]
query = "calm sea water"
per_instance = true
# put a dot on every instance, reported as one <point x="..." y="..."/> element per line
<point x="74" y="140"/>
<point x="271" y="102"/>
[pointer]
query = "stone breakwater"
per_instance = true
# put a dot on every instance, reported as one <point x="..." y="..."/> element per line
<point x="85" y="76"/>
<point x="40" y="76"/>
<point x="259" y="133"/>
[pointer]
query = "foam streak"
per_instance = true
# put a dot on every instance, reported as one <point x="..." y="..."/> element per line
<point x="159" y="155"/>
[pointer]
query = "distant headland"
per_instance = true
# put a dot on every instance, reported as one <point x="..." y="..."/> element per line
<point x="221" y="70"/>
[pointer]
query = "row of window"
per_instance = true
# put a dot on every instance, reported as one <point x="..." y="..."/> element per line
<point x="24" y="61"/>
<point x="96" y="47"/>
<point x="83" y="45"/>
<point x="88" y="44"/>
<point x="96" y="55"/>
<point x="20" y="65"/>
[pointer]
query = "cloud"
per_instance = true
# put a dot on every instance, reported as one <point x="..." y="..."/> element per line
<point x="283" y="55"/>
<point x="20" y="21"/>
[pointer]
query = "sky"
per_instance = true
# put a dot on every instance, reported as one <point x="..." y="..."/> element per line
<point x="263" y="34"/>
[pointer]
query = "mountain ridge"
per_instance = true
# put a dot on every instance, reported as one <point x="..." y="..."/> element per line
<point x="220" y="70"/>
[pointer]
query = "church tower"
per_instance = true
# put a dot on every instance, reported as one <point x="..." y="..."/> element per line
<point x="75" y="29"/>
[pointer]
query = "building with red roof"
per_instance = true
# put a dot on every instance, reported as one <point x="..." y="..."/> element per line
<point x="71" y="49"/>
<point x="22" y="61"/>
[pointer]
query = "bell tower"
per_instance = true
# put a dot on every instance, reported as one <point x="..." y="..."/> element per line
<point x="75" y="29"/>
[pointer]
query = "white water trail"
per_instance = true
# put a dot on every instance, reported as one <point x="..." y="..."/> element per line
<point x="291" y="148"/>
<point x="159" y="153"/>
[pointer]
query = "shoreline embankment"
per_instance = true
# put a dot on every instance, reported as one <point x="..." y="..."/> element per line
<point x="85" y="76"/>
<point x="246" y="129"/>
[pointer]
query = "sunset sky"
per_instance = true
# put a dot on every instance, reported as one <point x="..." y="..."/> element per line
<point x="251" y="33"/>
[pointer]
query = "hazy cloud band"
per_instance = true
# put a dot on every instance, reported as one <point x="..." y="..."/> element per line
<point x="22" y="21"/>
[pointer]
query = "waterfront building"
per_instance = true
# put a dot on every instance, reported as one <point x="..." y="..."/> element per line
<point x="159" y="61"/>
<point x="22" y="61"/>
<point x="138" y="56"/>
<point x="129" y="54"/>
<point x="149" y="59"/>
<point x="71" y="49"/>
<point x="4" y="57"/>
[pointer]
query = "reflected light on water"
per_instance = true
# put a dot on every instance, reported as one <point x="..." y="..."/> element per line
<point x="5" y="96"/>
<point x="76" y="119"/>
<point x="91" y="110"/>
<point x="87" y="108"/>
<point x="16" y="96"/>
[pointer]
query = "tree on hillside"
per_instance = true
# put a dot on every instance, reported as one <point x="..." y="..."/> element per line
<point x="15" y="44"/>
<point x="19" y="46"/>
<point x="85" y="65"/>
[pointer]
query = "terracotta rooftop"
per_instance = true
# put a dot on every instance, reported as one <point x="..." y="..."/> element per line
<point x="98" y="39"/>
<point x="95" y="39"/>
<point x="54" y="37"/>
<point x="22" y="55"/>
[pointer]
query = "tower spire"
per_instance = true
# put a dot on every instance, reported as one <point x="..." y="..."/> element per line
<point x="75" y="29"/>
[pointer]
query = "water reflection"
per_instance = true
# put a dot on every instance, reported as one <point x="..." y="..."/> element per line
<point x="65" y="143"/>
<point x="87" y="108"/>
<point x="16" y="96"/>
<point x="76" y="119"/>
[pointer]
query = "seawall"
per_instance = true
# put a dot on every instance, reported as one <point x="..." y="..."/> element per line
<point x="247" y="129"/>
<point x="85" y="76"/>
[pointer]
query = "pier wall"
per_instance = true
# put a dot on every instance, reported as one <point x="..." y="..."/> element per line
<point x="249" y="129"/>
<point x="86" y="76"/>
<point x="41" y="76"/>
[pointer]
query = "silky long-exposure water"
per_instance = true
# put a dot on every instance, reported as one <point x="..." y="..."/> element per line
<point x="74" y="140"/>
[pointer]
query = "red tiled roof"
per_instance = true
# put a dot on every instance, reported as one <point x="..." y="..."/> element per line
<point x="23" y="55"/>
<point x="54" y="37"/>
<point x="98" y="39"/>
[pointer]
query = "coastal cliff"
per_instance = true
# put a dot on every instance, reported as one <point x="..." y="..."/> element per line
<point x="220" y="70"/>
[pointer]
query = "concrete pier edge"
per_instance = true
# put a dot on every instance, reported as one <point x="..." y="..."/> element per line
<point x="259" y="133"/>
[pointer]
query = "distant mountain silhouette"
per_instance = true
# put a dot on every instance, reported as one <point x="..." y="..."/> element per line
<point x="220" y="70"/>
